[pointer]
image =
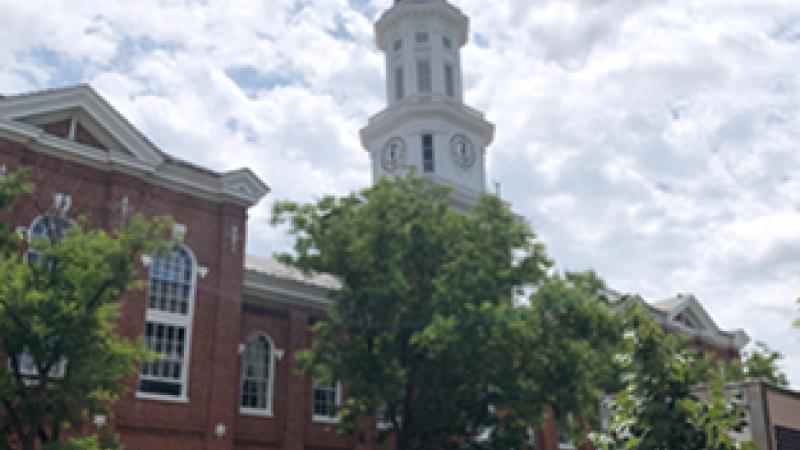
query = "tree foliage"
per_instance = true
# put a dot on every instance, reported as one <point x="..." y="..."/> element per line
<point x="424" y="333"/>
<point x="58" y="303"/>
<point x="670" y="399"/>
<point x="760" y="362"/>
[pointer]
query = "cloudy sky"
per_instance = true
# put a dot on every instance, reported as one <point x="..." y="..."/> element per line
<point x="655" y="141"/>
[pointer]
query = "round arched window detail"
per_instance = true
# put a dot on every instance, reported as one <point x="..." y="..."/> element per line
<point x="258" y="367"/>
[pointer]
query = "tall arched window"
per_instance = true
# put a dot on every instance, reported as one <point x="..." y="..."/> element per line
<point x="258" y="369"/>
<point x="42" y="227"/>
<point x="168" y="327"/>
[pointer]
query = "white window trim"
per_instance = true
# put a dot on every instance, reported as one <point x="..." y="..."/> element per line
<point x="57" y="372"/>
<point x="29" y="236"/>
<point x="273" y="355"/>
<point x="326" y="419"/>
<point x="160" y="397"/>
<point x="185" y="321"/>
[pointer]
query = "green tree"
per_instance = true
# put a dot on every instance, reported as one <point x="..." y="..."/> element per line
<point x="760" y="362"/>
<point x="571" y="353"/>
<point x="58" y="304"/>
<point x="424" y="334"/>
<point x="670" y="399"/>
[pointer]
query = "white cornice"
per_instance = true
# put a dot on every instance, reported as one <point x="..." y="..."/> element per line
<point x="411" y="9"/>
<point x="290" y="292"/>
<point x="137" y="156"/>
<point x="712" y="334"/>
<point x="83" y="98"/>
<point x="424" y="106"/>
<point x="246" y="190"/>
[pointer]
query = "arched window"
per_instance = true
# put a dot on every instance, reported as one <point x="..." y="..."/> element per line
<point x="258" y="373"/>
<point x="43" y="227"/>
<point x="168" y="327"/>
<point x="46" y="227"/>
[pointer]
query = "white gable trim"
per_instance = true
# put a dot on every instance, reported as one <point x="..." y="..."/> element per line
<point x="85" y="99"/>
<point x="709" y="331"/>
<point x="137" y="157"/>
<point x="691" y="306"/>
<point x="271" y="288"/>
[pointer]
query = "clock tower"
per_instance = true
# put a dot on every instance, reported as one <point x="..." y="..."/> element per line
<point x="426" y="124"/>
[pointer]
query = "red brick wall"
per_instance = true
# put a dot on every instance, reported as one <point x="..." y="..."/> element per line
<point x="213" y="371"/>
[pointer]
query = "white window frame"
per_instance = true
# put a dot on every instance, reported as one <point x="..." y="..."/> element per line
<point x="319" y="418"/>
<point x="173" y="319"/>
<point x="30" y="235"/>
<point x="57" y="371"/>
<point x="273" y="355"/>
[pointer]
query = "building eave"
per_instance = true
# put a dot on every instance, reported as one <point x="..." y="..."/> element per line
<point x="270" y="288"/>
<point x="402" y="10"/>
<point x="422" y="106"/>
<point x="240" y="187"/>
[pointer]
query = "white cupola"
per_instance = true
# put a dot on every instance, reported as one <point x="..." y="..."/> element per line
<point x="426" y="123"/>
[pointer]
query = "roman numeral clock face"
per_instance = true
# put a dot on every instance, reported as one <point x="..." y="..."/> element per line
<point x="463" y="151"/>
<point x="393" y="154"/>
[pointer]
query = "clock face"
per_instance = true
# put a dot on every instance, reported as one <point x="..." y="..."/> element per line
<point x="393" y="154"/>
<point x="463" y="151"/>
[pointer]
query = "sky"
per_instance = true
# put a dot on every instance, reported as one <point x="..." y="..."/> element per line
<point x="654" y="141"/>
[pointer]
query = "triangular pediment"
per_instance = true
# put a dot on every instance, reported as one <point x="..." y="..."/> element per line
<point x="79" y="115"/>
<point x="689" y="320"/>
<point x="690" y="314"/>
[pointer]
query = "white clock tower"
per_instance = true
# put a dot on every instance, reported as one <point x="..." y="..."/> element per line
<point x="426" y="123"/>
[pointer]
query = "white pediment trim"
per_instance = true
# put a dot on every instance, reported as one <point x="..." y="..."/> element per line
<point x="86" y="101"/>
<point x="690" y="307"/>
<point x="135" y="155"/>
<point x="244" y="184"/>
<point x="707" y="329"/>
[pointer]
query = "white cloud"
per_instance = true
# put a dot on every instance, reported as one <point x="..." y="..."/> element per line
<point x="655" y="141"/>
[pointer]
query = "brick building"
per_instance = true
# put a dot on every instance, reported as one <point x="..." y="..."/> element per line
<point x="227" y="324"/>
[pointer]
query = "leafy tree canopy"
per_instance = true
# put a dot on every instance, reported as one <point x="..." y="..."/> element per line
<point x="760" y="362"/>
<point x="670" y="399"/>
<point x="58" y="302"/>
<point x="424" y="333"/>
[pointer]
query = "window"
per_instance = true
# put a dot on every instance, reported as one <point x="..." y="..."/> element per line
<point x="398" y="45"/>
<point x="258" y="370"/>
<point x="421" y="37"/>
<point x="399" y="90"/>
<point x="427" y="153"/>
<point x="424" y="76"/>
<point x="27" y="366"/>
<point x="564" y="443"/>
<point x="446" y="43"/>
<point x="42" y="227"/>
<point x="46" y="227"/>
<point x="449" y="83"/>
<point x="170" y="304"/>
<point x="327" y="398"/>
